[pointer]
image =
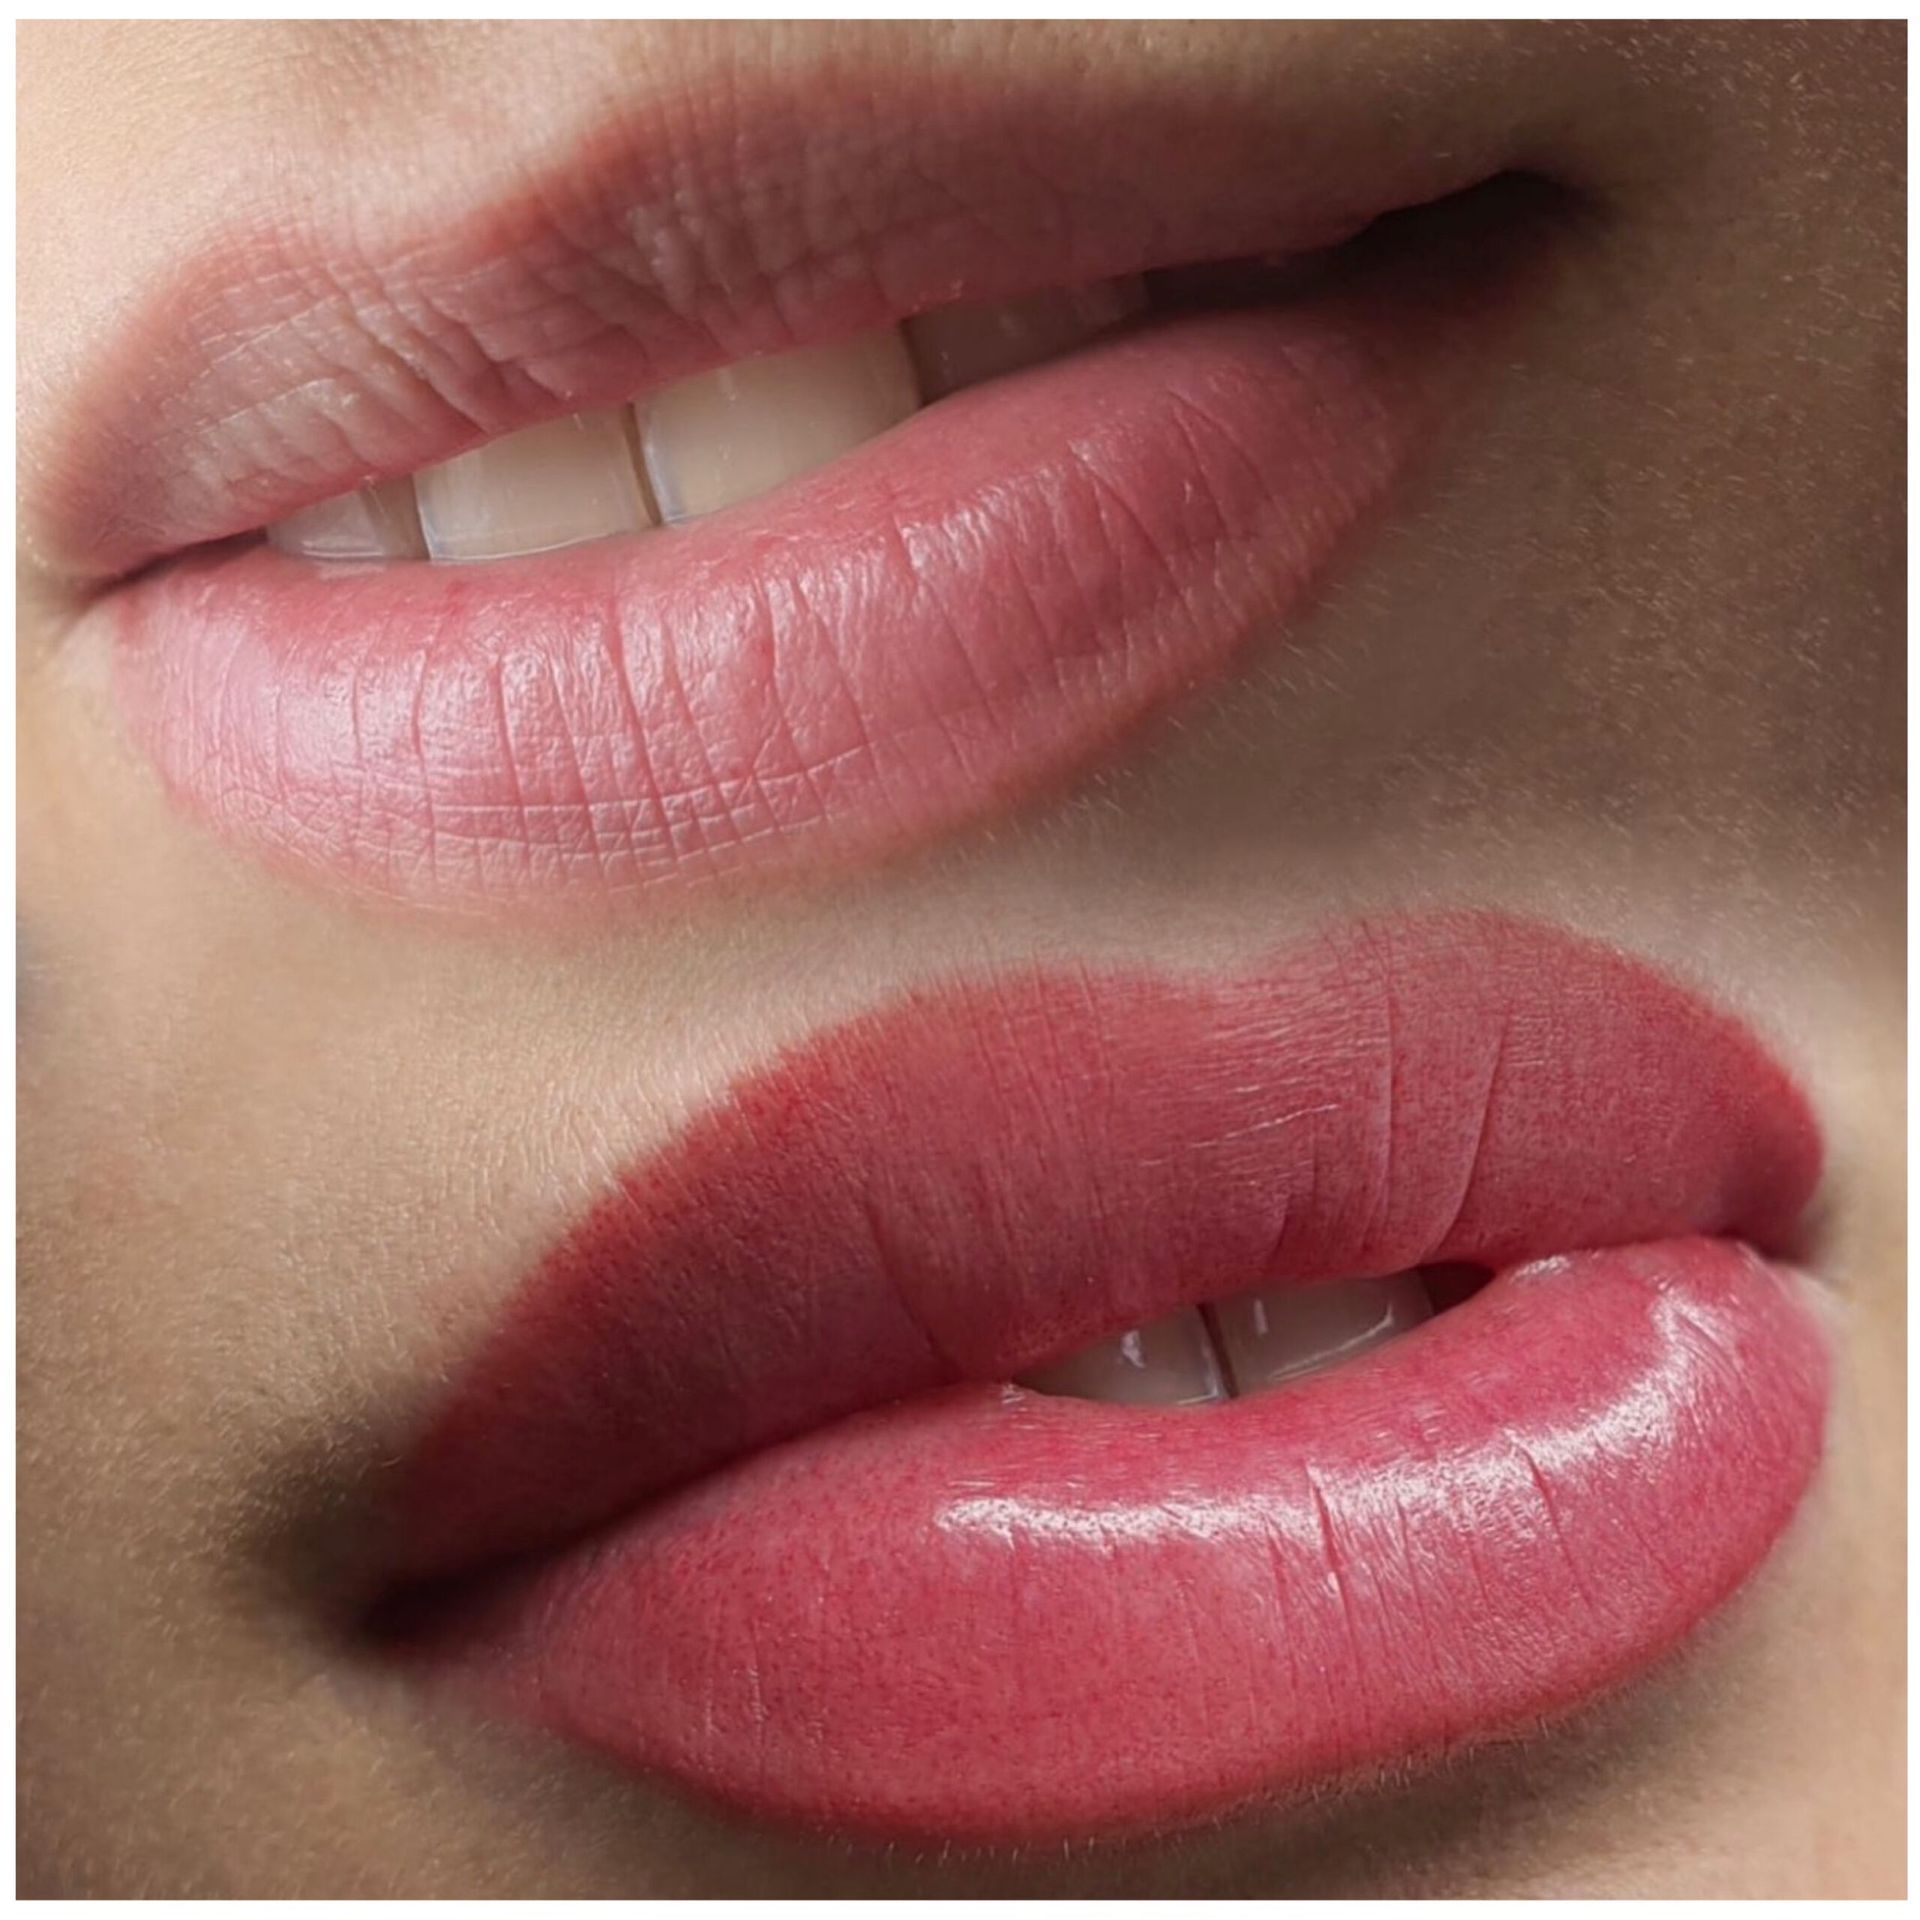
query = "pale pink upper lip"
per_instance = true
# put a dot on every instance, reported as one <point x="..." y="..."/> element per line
<point x="941" y="624"/>
<point x="366" y="334"/>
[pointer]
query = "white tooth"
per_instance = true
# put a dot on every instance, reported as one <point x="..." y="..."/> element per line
<point x="741" y="430"/>
<point x="960" y="346"/>
<point x="377" y="523"/>
<point x="548" y="486"/>
<point x="1280" y="1332"/>
<point x="1170" y="1363"/>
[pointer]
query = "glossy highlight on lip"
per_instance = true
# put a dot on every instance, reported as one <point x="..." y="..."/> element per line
<point x="738" y="1492"/>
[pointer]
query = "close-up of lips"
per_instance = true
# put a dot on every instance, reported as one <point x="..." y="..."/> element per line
<point x="961" y="959"/>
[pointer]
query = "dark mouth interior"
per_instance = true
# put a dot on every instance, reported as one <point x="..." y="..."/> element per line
<point x="1450" y="1284"/>
<point x="1505" y="214"/>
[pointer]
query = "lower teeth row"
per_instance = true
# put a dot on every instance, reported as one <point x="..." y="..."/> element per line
<point x="1244" y="1344"/>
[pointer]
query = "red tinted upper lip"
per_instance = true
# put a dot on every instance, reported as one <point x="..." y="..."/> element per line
<point x="955" y="1188"/>
<point x="979" y="1179"/>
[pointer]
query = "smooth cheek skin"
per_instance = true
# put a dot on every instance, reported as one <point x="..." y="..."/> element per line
<point x="1623" y="662"/>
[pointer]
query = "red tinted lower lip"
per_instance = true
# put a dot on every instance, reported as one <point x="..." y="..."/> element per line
<point x="994" y="1616"/>
<point x="981" y="1613"/>
<point x="952" y="614"/>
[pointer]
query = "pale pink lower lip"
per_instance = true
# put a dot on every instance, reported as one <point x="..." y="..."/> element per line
<point x="949" y="616"/>
<point x="882" y="1600"/>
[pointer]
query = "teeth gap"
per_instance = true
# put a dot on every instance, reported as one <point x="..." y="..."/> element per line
<point x="1257" y="1341"/>
<point x="727" y="436"/>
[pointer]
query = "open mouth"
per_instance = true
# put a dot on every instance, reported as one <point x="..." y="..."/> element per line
<point x="805" y="607"/>
<point x="1077" y="1405"/>
<point x="713" y="441"/>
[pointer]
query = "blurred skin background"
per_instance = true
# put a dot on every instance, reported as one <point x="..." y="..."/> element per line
<point x="1628" y="657"/>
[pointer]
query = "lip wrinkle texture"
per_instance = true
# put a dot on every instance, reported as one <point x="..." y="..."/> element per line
<point x="929" y="629"/>
<point x="797" y="1544"/>
<point x="341" y="330"/>
<point x="893" y="645"/>
<point x="1001" y="1617"/>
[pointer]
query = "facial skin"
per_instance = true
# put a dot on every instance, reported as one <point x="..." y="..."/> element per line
<point x="1626" y="658"/>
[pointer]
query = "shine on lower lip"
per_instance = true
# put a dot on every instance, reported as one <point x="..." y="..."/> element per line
<point x="794" y="1542"/>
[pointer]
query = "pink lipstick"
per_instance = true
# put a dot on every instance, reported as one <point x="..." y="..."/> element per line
<point x="939" y="622"/>
<point x="742" y="1493"/>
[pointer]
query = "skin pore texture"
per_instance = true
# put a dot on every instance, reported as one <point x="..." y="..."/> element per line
<point x="1621" y="657"/>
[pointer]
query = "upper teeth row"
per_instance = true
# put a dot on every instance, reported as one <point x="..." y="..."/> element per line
<point x="1240" y="1345"/>
<point x="705" y="443"/>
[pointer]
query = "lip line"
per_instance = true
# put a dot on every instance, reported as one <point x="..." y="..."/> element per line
<point x="1760" y="1205"/>
<point x="242" y="539"/>
<point x="1350" y="263"/>
<point x="666" y="371"/>
<point x="1153" y="317"/>
<point x="466" y="392"/>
